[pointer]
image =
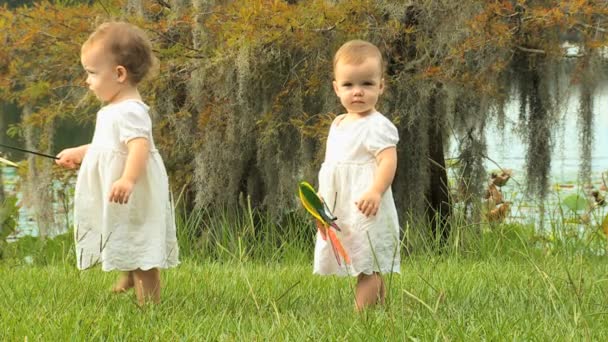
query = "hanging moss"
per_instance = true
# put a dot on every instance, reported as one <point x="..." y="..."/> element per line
<point x="469" y="132"/>
<point x="537" y="119"/>
<point x="585" y="125"/>
<point x="428" y="112"/>
<point x="588" y="85"/>
<point x="270" y="154"/>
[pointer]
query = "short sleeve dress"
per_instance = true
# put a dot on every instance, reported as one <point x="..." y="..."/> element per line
<point x="140" y="234"/>
<point x="347" y="172"/>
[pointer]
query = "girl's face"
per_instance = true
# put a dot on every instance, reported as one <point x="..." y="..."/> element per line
<point x="359" y="85"/>
<point x="104" y="78"/>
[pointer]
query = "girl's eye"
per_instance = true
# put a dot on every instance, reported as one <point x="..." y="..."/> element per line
<point x="368" y="83"/>
<point x="346" y="84"/>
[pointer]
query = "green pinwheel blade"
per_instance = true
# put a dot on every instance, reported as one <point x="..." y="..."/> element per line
<point x="313" y="203"/>
<point x="309" y="195"/>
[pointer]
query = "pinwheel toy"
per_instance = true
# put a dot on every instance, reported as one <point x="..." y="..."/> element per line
<point x="324" y="219"/>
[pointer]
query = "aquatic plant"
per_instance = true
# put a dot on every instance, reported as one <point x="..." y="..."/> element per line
<point x="9" y="216"/>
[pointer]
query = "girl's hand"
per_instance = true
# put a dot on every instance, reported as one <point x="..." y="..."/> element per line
<point x="369" y="203"/>
<point x="70" y="157"/>
<point x="121" y="190"/>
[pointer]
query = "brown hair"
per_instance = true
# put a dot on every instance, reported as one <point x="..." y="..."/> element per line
<point x="356" y="52"/>
<point x="129" y="46"/>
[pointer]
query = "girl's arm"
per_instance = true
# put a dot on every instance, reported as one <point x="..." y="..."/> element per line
<point x="134" y="167"/>
<point x="386" y="160"/>
<point x="72" y="157"/>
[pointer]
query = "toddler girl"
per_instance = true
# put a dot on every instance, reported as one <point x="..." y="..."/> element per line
<point x="355" y="178"/>
<point x="123" y="213"/>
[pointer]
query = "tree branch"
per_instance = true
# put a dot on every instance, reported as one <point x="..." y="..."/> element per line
<point x="104" y="7"/>
<point x="525" y="49"/>
<point x="331" y="28"/>
<point x="597" y="28"/>
<point x="166" y="36"/>
<point x="163" y="3"/>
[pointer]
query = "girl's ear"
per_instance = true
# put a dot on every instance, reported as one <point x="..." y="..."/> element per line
<point x="121" y="74"/>
<point x="381" y="86"/>
<point x="335" y="87"/>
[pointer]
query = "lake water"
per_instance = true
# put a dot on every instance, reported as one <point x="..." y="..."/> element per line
<point x="508" y="150"/>
<point x="27" y="225"/>
<point x="68" y="134"/>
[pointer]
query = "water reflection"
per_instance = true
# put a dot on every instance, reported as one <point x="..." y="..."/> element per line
<point x="508" y="149"/>
<point x="67" y="134"/>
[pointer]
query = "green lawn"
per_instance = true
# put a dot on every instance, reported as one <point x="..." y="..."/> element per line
<point x="541" y="297"/>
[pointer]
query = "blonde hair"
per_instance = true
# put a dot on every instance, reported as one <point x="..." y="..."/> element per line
<point x="128" y="45"/>
<point x="356" y="52"/>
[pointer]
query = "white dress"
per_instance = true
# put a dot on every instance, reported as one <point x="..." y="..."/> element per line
<point x="347" y="172"/>
<point x="140" y="234"/>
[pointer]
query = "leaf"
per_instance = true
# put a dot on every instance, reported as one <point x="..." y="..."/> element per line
<point x="9" y="213"/>
<point x="576" y="202"/>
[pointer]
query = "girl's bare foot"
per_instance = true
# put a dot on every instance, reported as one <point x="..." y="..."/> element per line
<point x="147" y="286"/>
<point x="124" y="283"/>
<point x="369" y="292"/>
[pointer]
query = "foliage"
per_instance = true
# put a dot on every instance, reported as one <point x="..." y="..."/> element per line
<point x="41" y="69"/>
<point x="576" y="202"/>
<point x="9" y="216"/>
<point x="243" y="99"/>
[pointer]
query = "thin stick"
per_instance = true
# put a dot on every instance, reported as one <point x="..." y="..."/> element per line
<point x="28" y="151"/>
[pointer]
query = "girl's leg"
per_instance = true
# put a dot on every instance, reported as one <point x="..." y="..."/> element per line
<point x="147" y="285"/>
<point x="369" y="291"/>
<point x="124" y="282"/>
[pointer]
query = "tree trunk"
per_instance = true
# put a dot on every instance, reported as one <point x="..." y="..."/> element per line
<point x="437" y="197"/>
<point x="134" y="7"/>
<point x="38" y="185"/>
<point x="2" y="133"/>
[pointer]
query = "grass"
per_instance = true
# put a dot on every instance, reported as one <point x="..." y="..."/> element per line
<point x="248" y="279"/>
<point x="442" y="298"/>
